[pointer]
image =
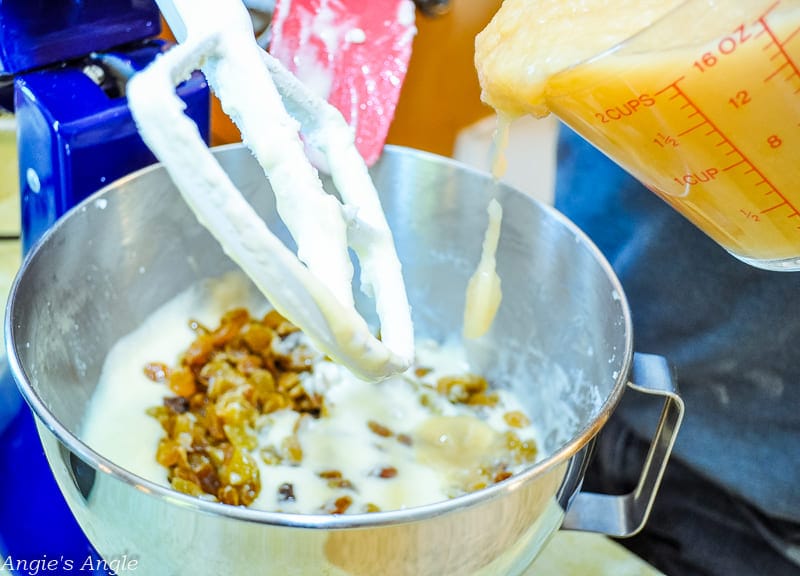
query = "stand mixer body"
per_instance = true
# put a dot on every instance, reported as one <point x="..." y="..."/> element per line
<point x="63" y="67"/>
<point x="703" y="108"/>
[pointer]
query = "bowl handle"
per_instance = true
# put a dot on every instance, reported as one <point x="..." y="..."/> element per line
<point x="625" y="515"/>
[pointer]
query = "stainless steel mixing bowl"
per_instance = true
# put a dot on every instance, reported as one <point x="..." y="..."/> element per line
<point x="562" y="339"/>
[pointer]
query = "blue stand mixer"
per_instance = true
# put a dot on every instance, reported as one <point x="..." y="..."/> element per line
<point x="63" y="67"/>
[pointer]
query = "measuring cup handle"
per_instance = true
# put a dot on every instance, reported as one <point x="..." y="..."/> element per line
<point x="625" y="515"/>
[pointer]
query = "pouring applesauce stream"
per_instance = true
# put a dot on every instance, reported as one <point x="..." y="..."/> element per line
<point x="276" y="405"/>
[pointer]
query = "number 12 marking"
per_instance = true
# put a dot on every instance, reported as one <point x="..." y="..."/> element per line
<point x="741" y="98"/>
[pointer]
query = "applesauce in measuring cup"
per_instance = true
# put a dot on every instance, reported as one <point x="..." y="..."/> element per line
<point x="703" y="107"/>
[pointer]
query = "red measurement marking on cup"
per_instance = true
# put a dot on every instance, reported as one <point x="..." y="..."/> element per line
<point x="738" y="160"/>
<point x="699" y="123"/>
<point x="781" y="56"/>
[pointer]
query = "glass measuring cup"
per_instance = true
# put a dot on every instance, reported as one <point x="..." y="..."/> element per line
<point x="703" y="107"/>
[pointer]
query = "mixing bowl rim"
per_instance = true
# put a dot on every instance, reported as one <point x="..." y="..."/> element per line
<point x="72" y="442"/>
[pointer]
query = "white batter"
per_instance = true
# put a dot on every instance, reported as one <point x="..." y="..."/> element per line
<point x="449" y="441"/>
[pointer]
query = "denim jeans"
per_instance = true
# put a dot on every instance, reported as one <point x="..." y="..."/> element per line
<point x="695" y="527"/>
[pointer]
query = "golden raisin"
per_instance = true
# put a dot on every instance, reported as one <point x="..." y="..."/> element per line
<point x="461" y="388"/>
<point x="483" y="399"/>
<point x="379" y="429"/>
<point x="292" y="450"/>
<point x="522" y="450"/>
<point x="385" y="472"/>
<point x="270" y="456"/>
<point x="197" y="327"/>
<point x="330" y="474"/>
<point x="340" y="505"/>
<point x="186" y="486"/>
<point x="156" y="371"/>
<point x="181" y="381"/>
<point x="248" y="363"/>
<point x="503" y="475"/>
<point x="228" y="495"/>
<point x="516" y="419"/>
<point x="199" y="351"/>
<point x="287" y="381"/>
<point x="279" y="324"/>
<point x="168" y="452"/>
<point x="240" y="437"/>
<point x="258" y="337"/>
<point x="230" y="326"/>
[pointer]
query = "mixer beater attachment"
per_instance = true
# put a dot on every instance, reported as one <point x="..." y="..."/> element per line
<point x="272" y="109"/>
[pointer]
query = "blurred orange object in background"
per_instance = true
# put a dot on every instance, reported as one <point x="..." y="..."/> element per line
<point x="441" y="95"/>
